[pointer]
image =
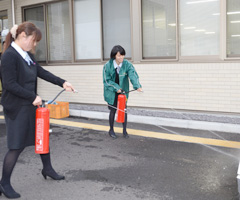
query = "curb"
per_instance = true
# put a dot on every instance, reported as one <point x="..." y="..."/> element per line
<point x="160" y="121"/>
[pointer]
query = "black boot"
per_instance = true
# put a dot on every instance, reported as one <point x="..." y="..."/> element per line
<point x="52" y="174"/>
<point x="111" y="123"/>
<point x="9" y="192"/>
<point x="8" y="166"/>
<point x="48" y="169"/>
<point x="125" y="135"/>
<point x="112" y="134"/>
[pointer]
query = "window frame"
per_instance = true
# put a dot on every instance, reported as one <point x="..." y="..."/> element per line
<point x="136" y="29"/>
<point x="4" y="15"/>
<point x="201" y="58"/>
<point x="159" y="59"/>
<point x="47" y="33"/>
<point x="131" y="31"/>
<point x="224" y="19"/>
<point x="86" y="61"/>
<point x="44" y="6"/>
<point x="44" y="14"/>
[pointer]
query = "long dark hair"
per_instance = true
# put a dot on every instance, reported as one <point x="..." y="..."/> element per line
<point x="27" y="27"/>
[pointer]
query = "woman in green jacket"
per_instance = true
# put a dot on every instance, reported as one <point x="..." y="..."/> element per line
<point x="116" y="74"/>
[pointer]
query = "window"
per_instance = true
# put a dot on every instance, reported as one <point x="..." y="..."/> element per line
<point x="3" y="27"/>
<point x="87" y="29"/>
<point x="159" y="28"/>
<point x="116" y="26"/>
<point x="233" y="28"/>
<point x="56" y="41"/>
<point x="36" y="16"/>
<point x="59" y="33"/>
<point x="199" y="27"/>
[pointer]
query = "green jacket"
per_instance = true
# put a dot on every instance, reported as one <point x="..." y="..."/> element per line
<point x="127" y="71"/>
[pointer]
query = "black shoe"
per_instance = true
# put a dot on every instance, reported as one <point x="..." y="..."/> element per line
<point x="125" y="135"/>
<point x="112" y="134"/>
<point x="9" y="192"/>
<point x="52" y="174"/>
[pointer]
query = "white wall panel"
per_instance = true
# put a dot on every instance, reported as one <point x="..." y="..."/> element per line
<point x="202" y="86"/>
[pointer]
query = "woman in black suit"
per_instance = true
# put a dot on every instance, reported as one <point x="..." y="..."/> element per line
<point x="19" y="72"/>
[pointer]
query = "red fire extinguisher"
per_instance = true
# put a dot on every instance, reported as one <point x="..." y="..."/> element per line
<point x="42" y="128"/>
<point x="42" y="131"/>
<point x="121" y="108"/>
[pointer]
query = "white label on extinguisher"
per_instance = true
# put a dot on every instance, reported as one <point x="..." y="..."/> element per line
<point x="39" y="135"/>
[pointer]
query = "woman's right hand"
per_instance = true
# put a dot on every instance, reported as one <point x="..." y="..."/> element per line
<point x="119" y="91"/>
<point x="37" y="101"/>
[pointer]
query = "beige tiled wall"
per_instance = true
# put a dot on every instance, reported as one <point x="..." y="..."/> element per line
<point x="203" y="86"/>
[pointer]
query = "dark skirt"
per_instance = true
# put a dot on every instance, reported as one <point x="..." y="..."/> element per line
<point x="21" y="130"/>
<point x="114" y="106"/>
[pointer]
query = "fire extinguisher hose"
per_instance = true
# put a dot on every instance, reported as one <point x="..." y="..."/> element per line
<point x="122" y="92"/>
<point x="51" y="101"/>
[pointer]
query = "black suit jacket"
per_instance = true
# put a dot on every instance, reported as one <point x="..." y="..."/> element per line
<point x="13" y="76"/>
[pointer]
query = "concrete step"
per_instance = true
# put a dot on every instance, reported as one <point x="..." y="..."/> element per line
<point x="224" y="122"/>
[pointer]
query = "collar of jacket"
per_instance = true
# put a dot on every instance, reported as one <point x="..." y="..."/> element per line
<point x="112" y="65"/>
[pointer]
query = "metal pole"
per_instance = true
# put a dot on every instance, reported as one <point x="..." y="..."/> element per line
<point x="13" y="13"/>
<point x="238" y="178"/>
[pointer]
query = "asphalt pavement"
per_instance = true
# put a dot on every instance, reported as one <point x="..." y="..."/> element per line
<point x="98" y="167"/>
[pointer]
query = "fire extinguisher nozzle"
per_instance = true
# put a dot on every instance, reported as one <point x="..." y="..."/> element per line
<point x="75" y="91"/>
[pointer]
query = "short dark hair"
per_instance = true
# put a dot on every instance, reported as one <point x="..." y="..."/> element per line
<point x="117" y="49"/>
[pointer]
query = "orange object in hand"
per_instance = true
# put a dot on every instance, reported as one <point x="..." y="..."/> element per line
<point x="121" y="105"/>
<point x="42" y="131"/>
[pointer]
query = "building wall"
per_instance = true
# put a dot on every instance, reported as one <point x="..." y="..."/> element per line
<point x="175" y="85"/>
<point x="189" y="86"/>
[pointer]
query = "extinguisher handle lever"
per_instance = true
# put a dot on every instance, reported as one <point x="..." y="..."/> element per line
<point x="122" y="91"/>
<point x="43" y="103"/>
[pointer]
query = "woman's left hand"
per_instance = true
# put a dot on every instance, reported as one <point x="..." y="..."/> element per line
<point x="139" y="90"/>
<point x="68" y="86"/>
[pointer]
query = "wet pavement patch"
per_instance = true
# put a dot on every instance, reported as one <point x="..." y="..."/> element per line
<point x="91" y="146"/>
<point x="85" y="139"/>
<point x="81" y="175"/>
<point x="112" y="157"/>
<point x="107" y="189"/>
<point x="75" y="143"/>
